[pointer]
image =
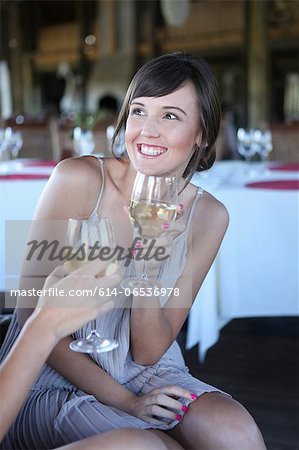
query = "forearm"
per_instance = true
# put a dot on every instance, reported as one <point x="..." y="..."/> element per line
<point x="21" y="368"/>
<point x="84" y="373"/>
<point x="151" y="333"/>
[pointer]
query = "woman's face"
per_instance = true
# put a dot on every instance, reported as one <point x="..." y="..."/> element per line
<point x="161" y="131"/>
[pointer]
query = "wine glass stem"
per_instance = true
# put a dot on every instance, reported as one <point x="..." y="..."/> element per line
<point x="264" y="159"/>
<point x="93" y="327"/>
<point x="144" y="275"/>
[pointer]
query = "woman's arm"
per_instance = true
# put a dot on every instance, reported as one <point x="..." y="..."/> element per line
<point x="53" y="318"/>
<point x="71" y="192"/>
<point x="154" y="329"/>
<point x="66" y="195"/>
<point x="21" y="368"/>
<point x="84" y="373"/>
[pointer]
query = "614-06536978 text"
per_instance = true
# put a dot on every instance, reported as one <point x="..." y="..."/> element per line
<point x="140" y="292"/>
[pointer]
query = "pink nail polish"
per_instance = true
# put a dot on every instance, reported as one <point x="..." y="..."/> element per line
<point x="165" y="226"/>
<point x="178" y="417"/>
<point x="184" y="408"/>
<point x="133" y="252"/>
<point x="194" y="396"/>
<point x="138" y="244"/>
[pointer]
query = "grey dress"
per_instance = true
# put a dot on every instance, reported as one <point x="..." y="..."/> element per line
<point x="56" y="412"/>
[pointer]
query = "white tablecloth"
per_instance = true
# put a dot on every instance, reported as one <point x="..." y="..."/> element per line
<point x="256" y="270"/>
<point x="18" y="199"/>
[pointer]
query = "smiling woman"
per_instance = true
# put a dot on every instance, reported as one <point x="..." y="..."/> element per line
<point x="158" y="133"/>
<point x="170" y="118"/>
<point x="193" y="96"/>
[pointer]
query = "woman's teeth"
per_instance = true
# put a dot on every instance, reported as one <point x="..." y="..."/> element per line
<point x="152" y="151"/>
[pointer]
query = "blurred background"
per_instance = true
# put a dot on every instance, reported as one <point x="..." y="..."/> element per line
<point x="68" y="63"/>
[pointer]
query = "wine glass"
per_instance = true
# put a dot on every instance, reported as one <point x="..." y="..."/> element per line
<point x="3" y="144"/>
<point x="83" y="141"/>
<point x="265" y="148"/>
<point x="247" y="146"/>
<point x="153" y="205"/>
<point x="15" y="144"/>
<point x="82" y="237"/>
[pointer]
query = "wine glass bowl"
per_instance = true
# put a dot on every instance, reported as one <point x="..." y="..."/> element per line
<point x="246" y="143"/>
<point x="11" y="142"/>
<point x="153" y="205"/>
<point x="254" y="142"/>
<point x="148" y="217"/>
<point x="84" y="236"/>
<point x="84" y="143"/>
<point x="265" y="145"/>
<point x="15" y="144"/>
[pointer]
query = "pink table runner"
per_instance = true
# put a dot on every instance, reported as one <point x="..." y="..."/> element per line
<point x="291" y="167"/>
<point x="41" y="163"/>
<point x="24" y="176"/>
<point x="275" y="184"/>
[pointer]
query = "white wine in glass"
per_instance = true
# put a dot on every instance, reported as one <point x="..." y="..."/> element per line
<point x="83" y="234"/>
<point x="153" y="205"/>
<point x="148" y="218"/>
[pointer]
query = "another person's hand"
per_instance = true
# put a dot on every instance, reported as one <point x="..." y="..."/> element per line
<point x="71" y="300"/>
<point x="161" y="405"/>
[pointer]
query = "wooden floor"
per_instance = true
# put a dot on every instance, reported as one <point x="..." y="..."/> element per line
<point x="257" y="362"/>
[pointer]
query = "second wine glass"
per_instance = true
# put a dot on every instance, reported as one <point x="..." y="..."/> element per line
<point x="153" y="205"/>
<point x="83" y="234"/>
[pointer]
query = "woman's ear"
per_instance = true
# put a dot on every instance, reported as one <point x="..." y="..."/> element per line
<point x="201" y="145"/>
<point x="198" y="140"/>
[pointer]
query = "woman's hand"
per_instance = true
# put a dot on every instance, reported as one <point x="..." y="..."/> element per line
<point x="161" y="404"/>
<point x="68" y="301"/>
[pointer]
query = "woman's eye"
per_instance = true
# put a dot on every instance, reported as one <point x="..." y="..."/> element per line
<point x="171" y="116"/>
<point x="137" y="112"/>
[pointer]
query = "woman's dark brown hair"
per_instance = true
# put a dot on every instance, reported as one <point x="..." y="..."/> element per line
<point x="168" y="73"/>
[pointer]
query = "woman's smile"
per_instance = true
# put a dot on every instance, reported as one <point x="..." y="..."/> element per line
<point x="151" y="150"/>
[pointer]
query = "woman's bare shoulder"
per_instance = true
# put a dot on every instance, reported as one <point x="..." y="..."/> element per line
<point x="77" y="167"/>
<point x="211" y="214"/>
<point x="72" y="188"/>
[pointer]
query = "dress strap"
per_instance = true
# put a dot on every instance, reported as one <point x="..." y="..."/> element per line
<point x="195" y="201"/>
<point x="101" y="163"/>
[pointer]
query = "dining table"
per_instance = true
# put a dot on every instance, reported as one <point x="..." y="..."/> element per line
<point x="21" y="184"/>
<point x="255" y="273"/>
